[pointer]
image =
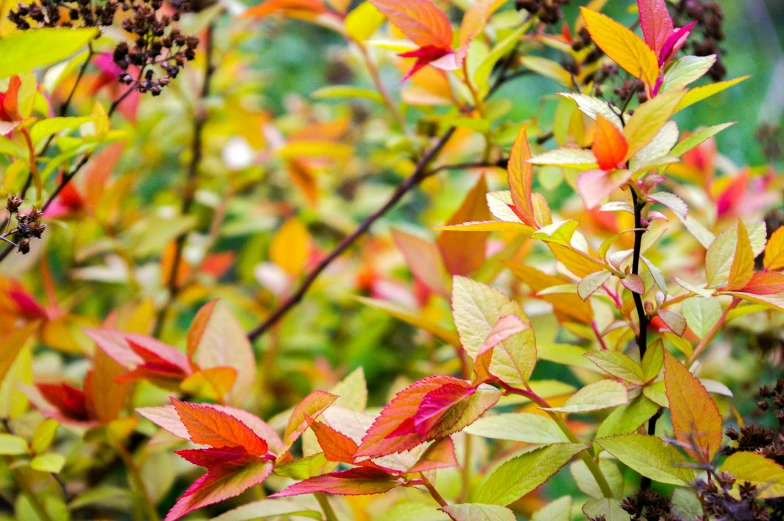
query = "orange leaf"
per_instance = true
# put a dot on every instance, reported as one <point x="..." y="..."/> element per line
<point x="420" y="20"/>
<point x="520" y="175"/>
<point x="310" y="407"/>
<point x="209" y="426"/>
<point x="299" y="8"/>
<point x="695" y="417"/>
<point x="609" y="145"/>
<point x="424" y="261"/>
<point x="475" y="19"/>
<point x="765" y="283"/>
<point x="465" y="253"/>
<point x="105" y="396"/>
<point x="10" y="100"/>
<point x="774" y="251"/>
<point x="336" y="445"/>
<point x="439" y="455"/>
<point x="210" y="384"/>
<point x="742" y="269"/>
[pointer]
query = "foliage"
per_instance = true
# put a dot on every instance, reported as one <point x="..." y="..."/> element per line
<point x="440" y="309"/>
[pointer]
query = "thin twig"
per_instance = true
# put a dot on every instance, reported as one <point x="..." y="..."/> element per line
<point x="197" y="152"/>
<point x="642" y="317"/>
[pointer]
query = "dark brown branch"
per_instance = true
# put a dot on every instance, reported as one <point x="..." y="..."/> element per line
<point x="197" y="152"/>
<point x="412" y="181"/>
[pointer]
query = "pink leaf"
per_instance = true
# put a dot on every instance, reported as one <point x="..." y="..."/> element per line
<point x="595" y="185"/>
<point x="361" y="481"/>
<point x="655" y="22"/>
<point x="438" y="403"/>
<point x="634" y="283"/>
<point x="674" y="43"/>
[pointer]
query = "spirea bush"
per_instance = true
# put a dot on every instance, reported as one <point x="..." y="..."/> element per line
<point x="393" y="298"/>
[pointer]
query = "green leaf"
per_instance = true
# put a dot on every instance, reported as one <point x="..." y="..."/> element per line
<point x="706" y="91"/>
<point x="24" y="51"/>
<point x="558" y="510"/>
<point x="653" y="361"/>
<point x="596" y="396"/>
<point x="106" y="496"/>
<point x="701" y="314"/>
<point x="44" y="435"/>
<point x="650" y="456"/>
<point x="519" y="476"/>
<point x="686" y="503"/>
<point x="696" y="138"/>
<point x="49" y="462"/>
<point x="482" y="74"/>
<point x="609" y="508"/>
<point x="477" y="512"/>
<point x="524" y="427"/>
<point x="686" y="70"/>
<point x="587" y="483"/>
<point x="618" y="365"/>
<point x="11" y="445"/>
<point x="656" y="393"/>
<point x="347" y="92"/>
<point x="758" y="470"/>
<point x="591" y="106"/>
<point x="47" y="127"/>
<point x="410" y="510"/>
<point x="628" y="418"/>
<point x="476" y="308"/>
<point x="648" y="119"/>
<point x="419" y="321"/>
<point x="304" y="468"/>
<point x="269" y="508"/>
<point x="566" y="157"/>
<point x="548" y="69"/>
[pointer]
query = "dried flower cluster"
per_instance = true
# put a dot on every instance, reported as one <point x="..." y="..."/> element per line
<point x="60" y="13"/>
<point x="549" y="11"/>
<point x="29" y="225"/>
<point x="710" y="21"/>
<point x="649" y="505"/>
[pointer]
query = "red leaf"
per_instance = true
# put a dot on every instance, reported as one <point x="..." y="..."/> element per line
<point x="310" y="407"/>
<point x="609" y="145"/>
<point x="69" y="401"/>
<point x="209" y="426"/>
<point x="438" y="403"/>
<point x="361" y="481"/>
<point x="655" y="22"/>
<point x="439" y="455"/>
<point x="674" y="43"/>
<point x="218" y="484"/>
<point x="765" y="283"/>
<point x="424" y="56"/>
<point x="420" y="20"/>
<point x="212" y="458"/>
<point x="10" y="108"/>
<point x="336" y="445"/>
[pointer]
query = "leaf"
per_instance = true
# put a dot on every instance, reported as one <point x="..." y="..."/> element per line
<point x="465" y="254"/>
<point x="701" y="314"/>
<point x="419" y="321"/>
<point x="742" y="269"/>
<point x="774" y="252"/>
<point x="655" y="23"/>
<point x="363" y="21"/>
<point x="439" y="455"/>
<point x="209" y="426"/>
<point x="336" y="446"/>
<point x="310" y="407"/>
<point x="520" y="176"/>
<point x="765" y="283"/>
<point x="649" y="456"/>
<point x="11" y="445"/>
<point x="648" y="120"/>
<point x="423" y="258"/>
<point x="13" y="342"/>
<point x="687" y="70"/>
<point x="50" y="462"/>
<point x="673" y="320"/>
<point x="590" y="283"/>
<point x="618" y="365"/>
<point x="700" y="93"/>
<point x="697" y="138"/>
<point x="211" y="384"/>
<point x="566" y="157"/>
<point x="216" y="339"/>
<point x="594" y="397"/>
<point x="290" y="247"/>
<point x="592" y="107"/>
<point x="477" y="512"/>
<point x="360" y="481"/>
<point x="269" y="508"/>
<point x="218" y="485"/>
<point x="765" y="474"/>
<point x="587" y="483"/>
<point x="475" y="19"/>
<point x="609" y="145"/>
<point x="476" y="308"/>
<point x="395" y="428"/>
<point x="420" y="20"/>
<point x="523" y="427"/>
<point x="519" y="476"/>
<point x="24" y="51"/>
<point x="595" y="185"/>
<point x="695" y="418"/>
<point x="628" y="418"/>
<point x="610" y="509"/>
<point x="295" y="8"/>
<point x="50" y="126"/>
<point x="622" y="46"/>
<point x="44" y="435"/>
<point x="558" y="510"/>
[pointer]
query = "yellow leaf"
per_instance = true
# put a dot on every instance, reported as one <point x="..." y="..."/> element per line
<point x="210" y="384"/>
<point x="107" y="397"/>
<point x="648" y="119"/>
<point x="695" y="418"/>
<point x="521" y="178"/>
<point x="12" y="343"/>
<point x="706" y="91"/>
<point x="623" y="46"/>
<point x="774" y="251"/>
<point x="363" y="21"/>
<point x="743" y="262"/>
<point x="290" y="247"/>
<point x="758" y="470"/>
<point x="464" y="254"/>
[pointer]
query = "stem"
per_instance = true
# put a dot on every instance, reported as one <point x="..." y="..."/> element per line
<point x="642" y="318"/>
<point x="712" y="333"/>
<point x="27" y="490"/>
<point x="593" y="467"/>
<point x="433" y="492"/>
<point x="467" y="467"/>
<point x="376" y="77"/>
<point x="321" y="497"/>
<point x="137" y="481"/>
<point x="33" y="161"/>
<point x="197" y="152"/>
